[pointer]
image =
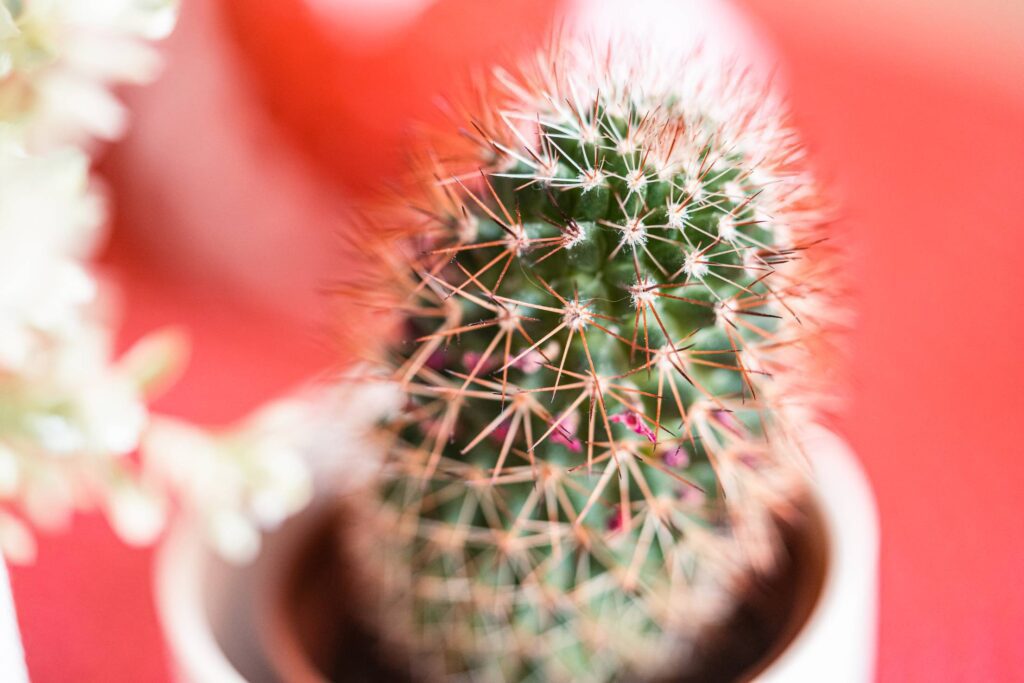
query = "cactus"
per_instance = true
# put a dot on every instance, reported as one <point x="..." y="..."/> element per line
<point x="600" y="287"/>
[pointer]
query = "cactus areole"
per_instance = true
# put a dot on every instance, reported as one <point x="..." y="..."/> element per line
<point x="599" y="276"/>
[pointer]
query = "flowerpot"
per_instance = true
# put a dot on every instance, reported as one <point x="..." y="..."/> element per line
<point x="208" y="607"/>
<point x="12" y="657"/>
<point x="261" y="623"/>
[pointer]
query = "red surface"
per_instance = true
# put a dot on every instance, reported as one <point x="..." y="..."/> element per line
<point x="928" y="161"/>
<point x="351" y="118"/>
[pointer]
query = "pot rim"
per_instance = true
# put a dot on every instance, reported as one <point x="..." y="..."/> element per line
<point x="182" y="561"/>
<point x="849" y="596"/>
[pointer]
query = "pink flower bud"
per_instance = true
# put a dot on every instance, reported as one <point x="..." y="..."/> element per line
<point x="615" y="520"/>
<point x="635" y="422"/>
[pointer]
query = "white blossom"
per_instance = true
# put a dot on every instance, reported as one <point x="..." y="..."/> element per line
<point x="60" y="58"/>
<point x="236" y="482"/>
<point x="137" y="513"/>
<point x="69" y="412"/>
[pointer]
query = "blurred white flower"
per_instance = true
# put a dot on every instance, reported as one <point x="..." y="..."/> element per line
<point x="60" y="58"/>
<point x="136" y="513"/>
<point x="62" y="404"/>
<point x="69" y="413"/>
<point x="233" y="535"/>
<point x="68" y="419"/>
<point x="16" y="541"/>
<point x="238" y="482"/>
<point x="49" y="219"/>
<point x="10" y="471"/>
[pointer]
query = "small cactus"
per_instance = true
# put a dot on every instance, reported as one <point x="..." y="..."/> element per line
<point x="600" y="283"/>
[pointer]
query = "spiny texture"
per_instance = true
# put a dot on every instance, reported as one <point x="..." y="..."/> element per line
<point x="598" y="285"/>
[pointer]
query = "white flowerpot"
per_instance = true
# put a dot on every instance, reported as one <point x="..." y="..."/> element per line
<point x="12" y="657"/>
<point x="837" y="643"/>
<point x="209" y="610"/>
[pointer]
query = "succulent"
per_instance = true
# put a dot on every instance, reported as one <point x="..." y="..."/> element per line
<point x="602" y="295"/>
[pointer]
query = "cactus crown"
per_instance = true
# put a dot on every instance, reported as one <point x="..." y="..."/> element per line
<point x="595" y="303"/>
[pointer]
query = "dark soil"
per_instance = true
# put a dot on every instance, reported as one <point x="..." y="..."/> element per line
<point x="322" y="603"/>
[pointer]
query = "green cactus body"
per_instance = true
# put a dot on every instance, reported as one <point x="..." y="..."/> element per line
<point x="585" y="465"/>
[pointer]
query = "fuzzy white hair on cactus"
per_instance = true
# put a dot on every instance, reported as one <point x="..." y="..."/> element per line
<point x="727" y="228"/>
<point x="636" y="180"/>
<point x="590" y="179"/>
<point x="634" y="232"/>
<point x="695" y="264"/>
<point x="642" y="293"/>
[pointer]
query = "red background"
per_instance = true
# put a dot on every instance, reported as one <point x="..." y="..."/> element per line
<point x="924" y="141"/>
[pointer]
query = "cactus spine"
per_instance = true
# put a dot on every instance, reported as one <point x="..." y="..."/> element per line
<point x="599" y="288"/>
